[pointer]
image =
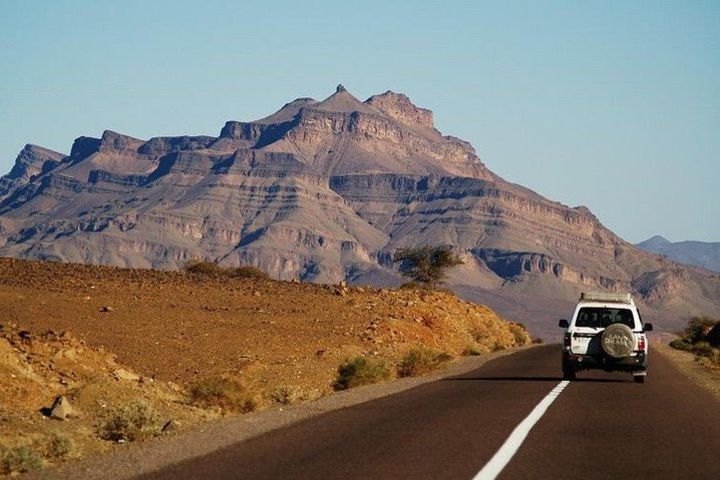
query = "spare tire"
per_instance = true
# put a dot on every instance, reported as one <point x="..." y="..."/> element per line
<point x="617" y="341"/>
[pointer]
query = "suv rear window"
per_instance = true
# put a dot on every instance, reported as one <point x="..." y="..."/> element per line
<point x="597" y="317"/>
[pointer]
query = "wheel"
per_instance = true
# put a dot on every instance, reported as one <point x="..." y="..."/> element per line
<point x="639" y="378"/>
<point x="568" y="373"/>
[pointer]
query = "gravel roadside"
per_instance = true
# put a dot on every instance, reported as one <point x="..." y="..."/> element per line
<point x="707" y="378"/>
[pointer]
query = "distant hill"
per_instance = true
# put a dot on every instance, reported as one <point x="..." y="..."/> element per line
<point x="702" y="254"/>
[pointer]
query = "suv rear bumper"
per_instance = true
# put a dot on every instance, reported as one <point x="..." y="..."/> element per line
<point x="637" y="363"/>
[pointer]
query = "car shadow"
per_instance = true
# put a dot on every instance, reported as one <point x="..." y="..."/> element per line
<point x="537" y="379"/>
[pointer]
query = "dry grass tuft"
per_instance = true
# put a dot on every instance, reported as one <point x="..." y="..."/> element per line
<point x="246" y="271"/>
<point x="471" y="351"/>
<point x="201" y="267"/>
<point x="59" y="446"/>
<point x="421" y="360"/>
<point x="20" y="459"/>
<point x="290" y="394"/>
<point x="360" y="371"/>
<point x="205" y="268"/>
<point x="129" y="422"/>
<point x="225" y="393"/>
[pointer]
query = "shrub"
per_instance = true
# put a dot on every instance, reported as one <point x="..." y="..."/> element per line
<point x="698" y="328"/>
<point x="680" y="344"/>
<point x="537" y="341"/>
<point x="224" y="393"/>
<point x="426" y="264"/>
<point x="498" y="347"/>
<point x="520" y="334"/>
<point x="129" y="422"/>
<point x="59" y="446"/>
<point x="20" y="459"/>
<point x="202" y="267"/>
<point x="247" y="271"/>
<point x="703" y="349"/>
<point x="287" y="394"/>
<point x="360" y="371"/>
<point x="471" y="351"/>
<point x="420" y="360"/>
<point x="443" y="357"/>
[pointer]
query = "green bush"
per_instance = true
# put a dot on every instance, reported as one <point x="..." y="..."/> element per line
<point x="421" y="360"/>
<point x="224" y="393"/>
<point x="426" y="264"/>
<point x="20" y="459"/>
<point x="360" y="371"/>
<point x="129" y="422"/>
<point x="680" y="344"/>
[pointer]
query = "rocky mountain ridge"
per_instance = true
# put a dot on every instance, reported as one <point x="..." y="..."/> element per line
<point x="325" y="191"/>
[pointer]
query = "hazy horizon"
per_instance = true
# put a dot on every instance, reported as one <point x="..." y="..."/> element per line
<point x="615" y="106"/>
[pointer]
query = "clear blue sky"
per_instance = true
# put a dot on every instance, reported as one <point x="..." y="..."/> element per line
<point x="610" y="104"/>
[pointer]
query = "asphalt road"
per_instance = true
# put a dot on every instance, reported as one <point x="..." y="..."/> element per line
<point x="602" y="426"/>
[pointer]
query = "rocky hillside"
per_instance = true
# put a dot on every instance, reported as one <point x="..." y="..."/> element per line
<point x="106" y="338"/>
<point x="701" y="254"/>
<point x="325" y="191"/>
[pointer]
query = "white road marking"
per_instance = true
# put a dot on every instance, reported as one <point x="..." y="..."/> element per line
<point x="503" y="456"/>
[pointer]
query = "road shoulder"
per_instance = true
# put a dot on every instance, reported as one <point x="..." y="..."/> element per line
<point x="685" y="362"/>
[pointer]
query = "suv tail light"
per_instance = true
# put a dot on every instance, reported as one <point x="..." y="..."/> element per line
<point x="641" y="342"/>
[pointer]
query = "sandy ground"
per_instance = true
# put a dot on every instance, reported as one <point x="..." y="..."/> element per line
<point x="105" y="336"/>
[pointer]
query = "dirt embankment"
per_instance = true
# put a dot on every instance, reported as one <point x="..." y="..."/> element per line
<point x="106" y="336"/>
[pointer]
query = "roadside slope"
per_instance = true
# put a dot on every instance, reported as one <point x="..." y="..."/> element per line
<point x="104" y="336"/>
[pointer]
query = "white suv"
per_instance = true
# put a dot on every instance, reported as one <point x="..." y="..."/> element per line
<point x="606" y="333"/>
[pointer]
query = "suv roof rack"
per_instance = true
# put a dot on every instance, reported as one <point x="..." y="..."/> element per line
<point x="606" y="297"/>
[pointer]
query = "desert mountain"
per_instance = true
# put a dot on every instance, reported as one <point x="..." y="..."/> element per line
<point x="29" y="164"/>
<point x="701" y="254"/>
<point x="325" y="191"/>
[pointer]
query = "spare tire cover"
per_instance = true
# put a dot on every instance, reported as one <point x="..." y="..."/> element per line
<point x="618" y="341"/>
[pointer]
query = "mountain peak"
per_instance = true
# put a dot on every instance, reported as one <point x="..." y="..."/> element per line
<point x="659" y="239"/>
<point x="117" y="141"/>
<point x="342" y="101"/>
<point x="399" y="107"/>
<point x="655" y="241"/>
